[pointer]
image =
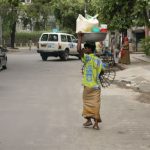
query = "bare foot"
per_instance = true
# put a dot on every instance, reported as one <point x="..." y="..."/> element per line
<point x="87" y="123"/>
<point x="96" y="125"/>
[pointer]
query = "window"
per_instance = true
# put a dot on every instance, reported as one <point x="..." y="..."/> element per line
<point x="69" y="38"/>
<point x="63" y="38"/>
<point x="53" y="37"/>
<point x="73" y="39"/>
<point x="44" y="37"/>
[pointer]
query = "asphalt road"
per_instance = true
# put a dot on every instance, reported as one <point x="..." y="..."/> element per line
<point x="41" y="106"/>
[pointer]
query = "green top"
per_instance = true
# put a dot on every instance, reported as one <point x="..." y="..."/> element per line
<point x="91" y="70"/>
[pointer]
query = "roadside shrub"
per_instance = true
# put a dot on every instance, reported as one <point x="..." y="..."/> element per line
<point x="145" y="43"/>
<point x="24" y="37"/>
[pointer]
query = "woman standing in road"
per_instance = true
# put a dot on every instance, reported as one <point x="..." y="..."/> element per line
<point x="91" y="83"/>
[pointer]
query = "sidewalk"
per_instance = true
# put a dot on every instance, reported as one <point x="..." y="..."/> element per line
<point x="136" y="75"/>
<point x="21" y="49"/>
<point x="142" y="57"/>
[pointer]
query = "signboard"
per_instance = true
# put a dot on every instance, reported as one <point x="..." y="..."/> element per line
<point x="55" y="30"/>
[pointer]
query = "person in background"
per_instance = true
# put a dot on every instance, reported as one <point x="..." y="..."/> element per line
<point x="116" y="53"/>
<point x="125" y="54"/>
<point x="112" y="47"/>
<point x="30" y="44"/>
<point x="106" y="52"/>
<point x="91" y="83"/>
<point x="99" y="48"/>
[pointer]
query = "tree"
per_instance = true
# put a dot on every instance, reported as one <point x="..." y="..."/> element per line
<point x="15" y="10"/>
<point x="39" y="12"/>
<point x="141" y="14"/>
<point x="66" y="12"/>
<point x="14" y="4"/>
<point x="122" y="14"/>
<point x="4" y="19"/>
<point x="10" y="7"/>
<point x="116" y="13"/>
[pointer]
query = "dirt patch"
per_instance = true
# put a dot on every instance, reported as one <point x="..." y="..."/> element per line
<point x="144" y="98"/>
<point x="126" y="85"/>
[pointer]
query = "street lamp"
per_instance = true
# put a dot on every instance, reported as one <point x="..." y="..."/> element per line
<point x="85" y="7"/>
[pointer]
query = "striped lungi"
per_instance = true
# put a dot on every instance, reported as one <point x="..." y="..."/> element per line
<point x="91" y="103"/>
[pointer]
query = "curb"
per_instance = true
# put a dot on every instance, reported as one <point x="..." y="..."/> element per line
<point x="142" y="59"/>
<point x="20" y="49"/>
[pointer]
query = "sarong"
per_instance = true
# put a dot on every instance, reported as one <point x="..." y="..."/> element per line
<point x="125" y="55"/>
<point x="91" y="103"/>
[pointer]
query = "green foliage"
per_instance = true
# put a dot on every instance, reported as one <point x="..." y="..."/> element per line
<point x="140" y="13"/>
<point x="14" y="3"/>
<point x="9" y="9"/>
<point x="66" y="12"/>
<point x="39" y="12"/>
<point x="23" y="37"/>
<point x="146" y="45"/>
<point x="41" y="1"/>
<point x="117" y="13"/>
<point x="122" y="14"/>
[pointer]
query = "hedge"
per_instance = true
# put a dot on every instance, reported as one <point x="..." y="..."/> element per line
<point x="146" y="45"/>
<point x="23" y="37"/>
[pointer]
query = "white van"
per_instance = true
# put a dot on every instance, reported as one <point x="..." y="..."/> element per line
<point x="57" y="44"/>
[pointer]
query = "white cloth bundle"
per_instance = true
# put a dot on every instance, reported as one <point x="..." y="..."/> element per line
<point x="86" y="25"/>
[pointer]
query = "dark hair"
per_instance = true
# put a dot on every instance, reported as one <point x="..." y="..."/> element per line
<point x="90" y="45"/>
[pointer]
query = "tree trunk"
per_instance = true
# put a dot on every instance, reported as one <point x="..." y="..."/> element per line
<point x="13" y="34"/>
<point x="147" y="31"/>
<point x="1" y="41"/>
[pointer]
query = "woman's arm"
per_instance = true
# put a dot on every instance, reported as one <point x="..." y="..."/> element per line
<point x="79" y="48"/>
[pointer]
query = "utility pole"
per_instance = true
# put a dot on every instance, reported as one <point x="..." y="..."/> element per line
<point x="0" y="31"/>
<point x="85" y="7"/>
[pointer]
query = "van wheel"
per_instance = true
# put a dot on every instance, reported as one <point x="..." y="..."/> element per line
<point x="5" y="67"/>
<point x="65" y="55"/>
<point x="44" y="57"/>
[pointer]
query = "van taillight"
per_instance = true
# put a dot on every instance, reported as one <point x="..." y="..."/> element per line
<point x="59" y="46"/>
